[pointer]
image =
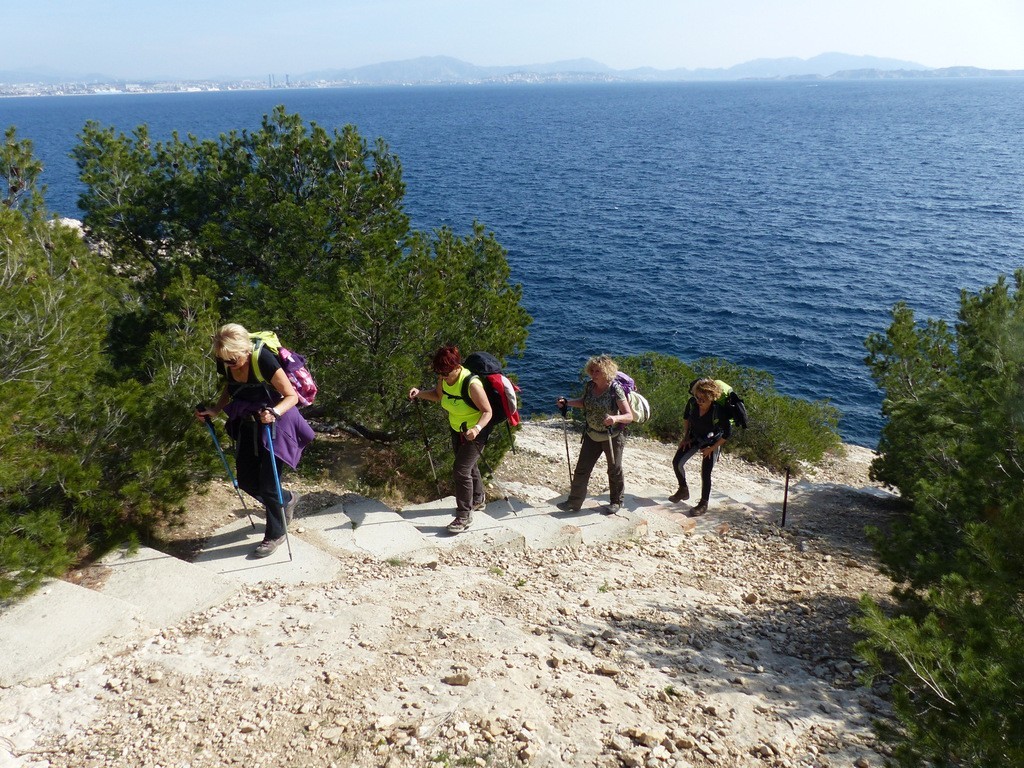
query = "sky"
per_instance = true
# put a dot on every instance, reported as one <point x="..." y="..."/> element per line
<point x="228" y="38"/>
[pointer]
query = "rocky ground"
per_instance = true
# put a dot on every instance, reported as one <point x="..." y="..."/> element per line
<point x="727" y="647"/>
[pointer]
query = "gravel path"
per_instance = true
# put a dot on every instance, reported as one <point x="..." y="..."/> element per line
<point x="727" y="647"/>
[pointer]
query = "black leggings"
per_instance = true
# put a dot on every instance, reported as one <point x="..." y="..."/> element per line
<point x="707" y="464"/>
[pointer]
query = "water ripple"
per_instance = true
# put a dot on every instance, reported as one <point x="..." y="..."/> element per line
<point x="769" y="223"/>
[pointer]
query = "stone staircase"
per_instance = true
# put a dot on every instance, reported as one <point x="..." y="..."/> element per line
<point x="130" y="595"/>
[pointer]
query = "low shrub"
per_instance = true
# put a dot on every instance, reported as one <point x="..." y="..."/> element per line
<point x="783" y="432"/>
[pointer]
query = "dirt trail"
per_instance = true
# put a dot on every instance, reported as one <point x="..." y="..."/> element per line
<point x="722" y="647"/>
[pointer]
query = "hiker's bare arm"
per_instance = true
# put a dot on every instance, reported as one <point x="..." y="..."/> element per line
<point x="479" y="398"/>
<point x="433" y="395"/>
<point x="624" y="416"/>
<point x="222" y="401"/>
<point x="625" y="412"/>
<point x="289" y="398"/>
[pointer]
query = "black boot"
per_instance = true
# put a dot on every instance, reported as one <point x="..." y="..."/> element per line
<point x="681" y="495"/>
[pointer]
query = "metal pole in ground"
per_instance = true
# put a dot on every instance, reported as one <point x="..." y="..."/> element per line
<point x="785" y="499"/>
<point x="224" y="461"/>
<point x="277" y="483"/>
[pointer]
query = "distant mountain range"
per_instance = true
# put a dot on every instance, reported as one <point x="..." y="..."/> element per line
<point x="444" y="69"/>
<point x="438" y="70"/>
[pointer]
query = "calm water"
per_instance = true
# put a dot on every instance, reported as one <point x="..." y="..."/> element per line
<point x="773" y="224"/>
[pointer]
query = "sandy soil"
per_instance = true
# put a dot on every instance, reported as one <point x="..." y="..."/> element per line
<point x="726" y="645"/>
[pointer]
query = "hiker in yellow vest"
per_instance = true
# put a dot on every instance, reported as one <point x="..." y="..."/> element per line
<point x="462" y="395"/>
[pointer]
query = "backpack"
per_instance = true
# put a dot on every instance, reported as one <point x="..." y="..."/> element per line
<point x="501" y="392"/>
<point x="730" y="402"/>
<point x="637" y="402"/>
<point x="294" y="366"/>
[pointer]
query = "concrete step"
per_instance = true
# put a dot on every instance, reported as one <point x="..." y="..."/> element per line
<point x="124" y="595"/>
<point x="60" y="628"/>
<point x="514" y="524"/>
<point x="162" y="588"/>
<point x="598" y="527"/>
<point x="134" y="593"/>
<point x="361" y="526"/>
<point x="487" y="533"/>
<point x="229" y="553"/>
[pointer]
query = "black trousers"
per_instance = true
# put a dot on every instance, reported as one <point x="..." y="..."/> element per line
<point x="255" y="475"/>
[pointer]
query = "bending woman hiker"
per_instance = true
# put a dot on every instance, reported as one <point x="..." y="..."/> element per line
<point x="249" y="404"/>
<point x="706" y="428"/>
<point x="607" y="411"/>
<point x="470" y="424"/>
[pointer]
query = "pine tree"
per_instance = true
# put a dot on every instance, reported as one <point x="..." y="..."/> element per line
<point x="954" y="446"/>
<point x="304" y="233"/>
<point x="99" y="445"/>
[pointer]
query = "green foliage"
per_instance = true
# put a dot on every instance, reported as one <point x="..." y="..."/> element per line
<point x="20" y="171"/>
<point x="783" y="431"/>
<point x="380" y="325"/>
<point x="953" y="443"/>
<point x="303" y="232"/>
<point x="95" y="451"/>
<point x="954" y="447"/>
<point x="955" y="666"/>
<point x="253" y="208"/>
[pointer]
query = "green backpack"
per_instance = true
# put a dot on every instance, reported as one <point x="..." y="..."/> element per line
<point x="732" y="403"/>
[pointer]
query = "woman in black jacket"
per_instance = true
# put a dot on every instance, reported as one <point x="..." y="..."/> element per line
<point x="707" y="427"/>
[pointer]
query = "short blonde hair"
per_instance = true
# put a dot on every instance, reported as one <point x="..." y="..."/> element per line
<point x="604" y="364"/>
<point x="231" y="341"/>
<point x="707" y="387"/>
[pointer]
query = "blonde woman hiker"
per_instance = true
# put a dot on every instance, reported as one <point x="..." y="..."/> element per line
<point x="607" y="411"/>
<point x="250" y="403"/>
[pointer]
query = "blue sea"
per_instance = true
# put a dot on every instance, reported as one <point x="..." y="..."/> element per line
<point x="773" y="224"/>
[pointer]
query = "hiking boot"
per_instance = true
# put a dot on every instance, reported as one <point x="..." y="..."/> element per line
<point x="267" y="547"/>
<point x="479" y="506"/>
<point x="613" y="509"/>
<point x="681" y="495"/>
<point x="289" y="508"/>
<point x="566" y="506"/>
<point x="459" y="524"/>
<point x="699" y="509"/>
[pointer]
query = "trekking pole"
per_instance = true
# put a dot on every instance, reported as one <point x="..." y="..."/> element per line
<point x="564" y="408"/>
<point x="224" y="461"/>
<point x="494" y="479"/>
<point x="611" y="446"/>
<point x="277" y="483"/>
<point x="426" y="445"/>
<point x="500" y="487"/>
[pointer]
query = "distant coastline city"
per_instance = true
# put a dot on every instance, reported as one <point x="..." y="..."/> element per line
<point x="441" y="70"/>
